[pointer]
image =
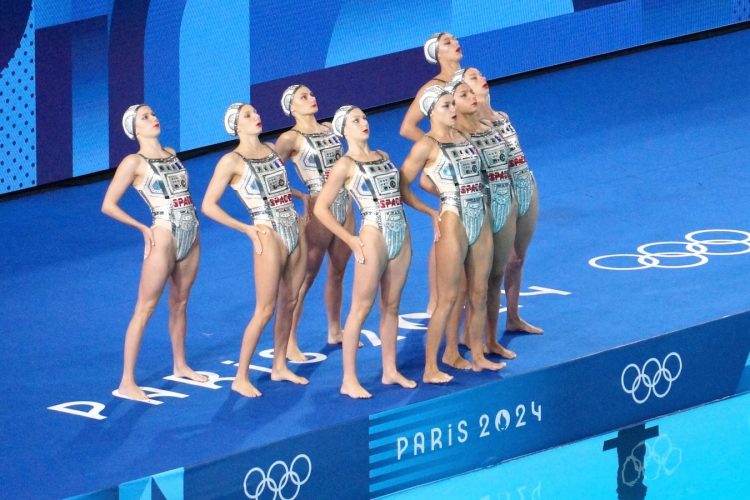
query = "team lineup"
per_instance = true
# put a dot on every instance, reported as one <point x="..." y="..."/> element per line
<point x="470" y="158"/>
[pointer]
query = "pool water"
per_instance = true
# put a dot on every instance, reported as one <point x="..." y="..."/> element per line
<point x="698" y="453"/>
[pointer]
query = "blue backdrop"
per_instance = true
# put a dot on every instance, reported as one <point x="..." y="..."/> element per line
<point x="82" y="63"/>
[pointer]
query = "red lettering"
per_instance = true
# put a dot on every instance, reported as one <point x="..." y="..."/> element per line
<point x="390" y="202"/>
<point x="517" y="161"/>
<point x="280" y="200"/>
<point x="471" y="188"/>
<point x="498" y="176"/>
<point x="184" y="201"/>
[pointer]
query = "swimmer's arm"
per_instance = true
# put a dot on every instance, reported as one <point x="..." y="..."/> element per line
<point x="299" y="195"/>
<point x="286" y="145"/>
<point x="411" y="168"/>
<point x="222" y="176"/>
<point x="123" y="178"/>
<point x="413" y="165"/>
<point x="336" y="180"/>
<point x="410" y="125"/>
<point x="228" y="167"/>
<point x="427" y="184"/>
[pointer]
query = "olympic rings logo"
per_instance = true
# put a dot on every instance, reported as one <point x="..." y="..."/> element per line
<point x="654" y="377"/>
<point x="277" y="478"/>
<point x="633" y="469"/>
<point x="692" y="252"/>
<point x="661" y="456"/>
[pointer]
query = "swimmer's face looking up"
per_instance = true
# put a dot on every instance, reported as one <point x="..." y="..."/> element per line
<point x="444" y="111"/>
<point x="449" y="49"/>
<point x="146" y="123"/>
<point x="248" y="121"/>
<point x="356" y="126"/>
<point x="466" y="101"/>
<point x="477" y="81"/>
<point x="304" y="102"/>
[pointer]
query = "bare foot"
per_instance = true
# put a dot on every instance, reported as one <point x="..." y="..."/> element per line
<point x="287" y="375"/>
<point x="293" y="353"/>
<point x="486" y="364"/>
<point x="334" y="339"/>
<point x="457" y="361"/>
<point x="397" y="378"/>
<point x="245" y="388"/>
<point x="436" y="377"/>
<point x="497" y="348"/>
<point x="520" y="326"/>
<point x="354" y="389"/>
<point x="190" y="374"/>
<point x="132" y="391"/>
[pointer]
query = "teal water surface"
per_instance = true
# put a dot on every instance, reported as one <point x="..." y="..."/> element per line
<point x="699" y="453"/>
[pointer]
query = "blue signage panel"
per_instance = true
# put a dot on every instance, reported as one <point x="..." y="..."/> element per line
<point x="485" y="425"/>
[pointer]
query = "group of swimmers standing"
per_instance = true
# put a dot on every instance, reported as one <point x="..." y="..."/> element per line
<point x="470" y="158"/>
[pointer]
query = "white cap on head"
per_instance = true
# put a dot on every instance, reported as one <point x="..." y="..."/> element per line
<point x="339" y="119"/>
<point x="286" y="99"/>
<point x="128" y="120"/>
<point x="431" y="47"/>
<point x="230" y="117"/>
<point x="450" y="87"/>
<point x="429" y="97"/>
<point x="458" y="76"/>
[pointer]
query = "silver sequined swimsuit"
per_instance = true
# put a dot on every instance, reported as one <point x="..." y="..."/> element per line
<point x="264" y="190"/>
<point x="165" y="191"/>
<point x="316" y="157"/>
<point x="494" y="153"/>
<point x="375" y="188"/>
<point x="521" y="178"/>
<point x="457" y="174"/>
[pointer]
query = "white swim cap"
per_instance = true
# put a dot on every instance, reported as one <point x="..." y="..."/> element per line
<point x="128" y="120"/>
<point x="230" y="117"/>
<point x="431" y="47"/>
<point x="450" y="87"/>
<point x="286" y="99"/>
<point x="429" y="97"/>
<point x="339" y="119"/>
<point x="458" y="76"/>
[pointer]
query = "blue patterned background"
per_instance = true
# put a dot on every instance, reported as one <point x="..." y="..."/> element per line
<point x="80" y="64"/>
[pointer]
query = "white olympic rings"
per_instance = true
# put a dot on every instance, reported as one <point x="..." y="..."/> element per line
<point x="635" y="465"/>
<point x="660" y="456"/>
<point x="277" y="485"/>
<point x="649" y="376"/>
<point x="665" y="457"/>
<point x="693" y="248"/>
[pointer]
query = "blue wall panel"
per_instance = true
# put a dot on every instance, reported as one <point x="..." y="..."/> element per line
<point x="55" y="123"/>
<point x="214" y="69"/>
<point x="190" y="59"/>
<point x="161" y="62"/>
<point x="18" y="169"/>
<point x="89" y="95"/>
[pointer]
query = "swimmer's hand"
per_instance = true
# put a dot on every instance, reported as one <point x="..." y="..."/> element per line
<point x="148" y="241"/>
<point x="357" y="249"/>
<point x="252" y="233"/>
<point x="436" y="224"/>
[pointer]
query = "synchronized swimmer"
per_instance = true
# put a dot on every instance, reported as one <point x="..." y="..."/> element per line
<point x="470" y="158"/>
